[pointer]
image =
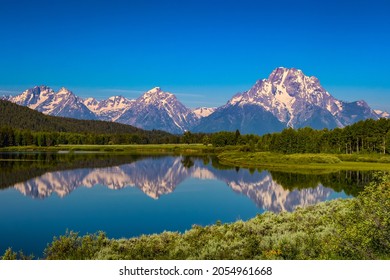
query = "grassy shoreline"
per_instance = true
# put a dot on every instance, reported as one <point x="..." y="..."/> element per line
<point x="232" y="156"/>
<point x="304" y="162"/>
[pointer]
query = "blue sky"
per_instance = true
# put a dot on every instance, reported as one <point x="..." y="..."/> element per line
<point x="203" y="51"/>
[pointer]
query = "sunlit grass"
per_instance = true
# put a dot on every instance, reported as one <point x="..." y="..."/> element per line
<point x="304" y="162"/>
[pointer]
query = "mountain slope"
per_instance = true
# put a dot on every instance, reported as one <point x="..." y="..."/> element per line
<point x="248" y="119"/>
<point x="20" y="117"/>
<point x="293" y="99"/>
<point x="157" y="109"/>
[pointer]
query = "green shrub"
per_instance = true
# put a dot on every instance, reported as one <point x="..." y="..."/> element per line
<point x="71" y="246"/>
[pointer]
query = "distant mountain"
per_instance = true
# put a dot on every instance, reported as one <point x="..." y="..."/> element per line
<point x="203" y="111"/>
<point x="110" y="109"/>
<point x="5" y="97"/>
<point x="157" y="109"/>
<point x="62" y="103"/>
<point x="382" y="114"/>
<point x="287" y="98"/>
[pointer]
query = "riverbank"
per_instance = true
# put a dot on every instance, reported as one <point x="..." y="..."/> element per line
<point x="126" y="149"/>
<point x="233" y="156"/>
<point x="305" y="162"/>
<point x="108" y="148"/>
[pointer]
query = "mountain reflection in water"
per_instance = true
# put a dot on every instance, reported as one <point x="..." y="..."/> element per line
<point x="158" y="176"/>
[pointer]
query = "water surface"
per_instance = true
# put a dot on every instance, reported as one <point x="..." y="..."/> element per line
<point x="42" y="194"/>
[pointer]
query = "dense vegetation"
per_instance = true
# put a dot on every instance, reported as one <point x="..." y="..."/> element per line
<point x="368" y="136"/>
<point x="357" y="228"/>
<point x="21" y="126"/>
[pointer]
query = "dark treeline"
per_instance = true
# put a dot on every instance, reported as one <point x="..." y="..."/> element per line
<point x="15" y="137"/>
<point x="369" y="136"/>
<point x="21" y="126"/>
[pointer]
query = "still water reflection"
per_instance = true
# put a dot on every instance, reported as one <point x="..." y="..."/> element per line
<point x="42" y="195"/>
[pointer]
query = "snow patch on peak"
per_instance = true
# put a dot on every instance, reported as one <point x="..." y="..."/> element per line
<point x="63" y="89"/>
<point x="382" y="114"/>
<point x="115" y="97"/>
<point x="202" y="112"/>
<point x="154" y="90"/>
<point x="361" y="103"/>
<point x="90" y="100"/>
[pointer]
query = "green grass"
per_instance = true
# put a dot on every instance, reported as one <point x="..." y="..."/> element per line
<point x="304" y="162"/>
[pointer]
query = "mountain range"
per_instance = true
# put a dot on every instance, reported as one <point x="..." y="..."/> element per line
<point x="287" y="98"/>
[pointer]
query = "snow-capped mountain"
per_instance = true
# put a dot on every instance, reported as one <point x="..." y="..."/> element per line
<point x="203" y="111"/>
<point x="382" y="114"/>
<point x="287" y="98"/>
<point x="62" y="103"/>
<point x="157" y="109"/>
<point x="91" y="103"/>
<point x="5" y="97"/>
<point x="110" y="109"/>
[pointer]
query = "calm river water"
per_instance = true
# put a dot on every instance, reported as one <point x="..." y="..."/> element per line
<point x="42" y="195"/>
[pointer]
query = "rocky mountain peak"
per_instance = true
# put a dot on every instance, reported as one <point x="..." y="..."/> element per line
<point x="281" y="75"/>
<point x="154" y="90"/>
<point x="64" y="92"/>
<point x="157" y="97"/>
<point x="287" y="98"/>
<point x="90" y="102"/>
<point x="157" y="109"/>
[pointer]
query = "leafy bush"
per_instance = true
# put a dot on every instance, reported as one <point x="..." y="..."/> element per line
<point x="9" y="254"/>
<point x="363" y="230"/>
<point x="71" y="246"/>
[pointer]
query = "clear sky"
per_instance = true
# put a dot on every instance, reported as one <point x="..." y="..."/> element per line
<point x="202" y="51"/>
